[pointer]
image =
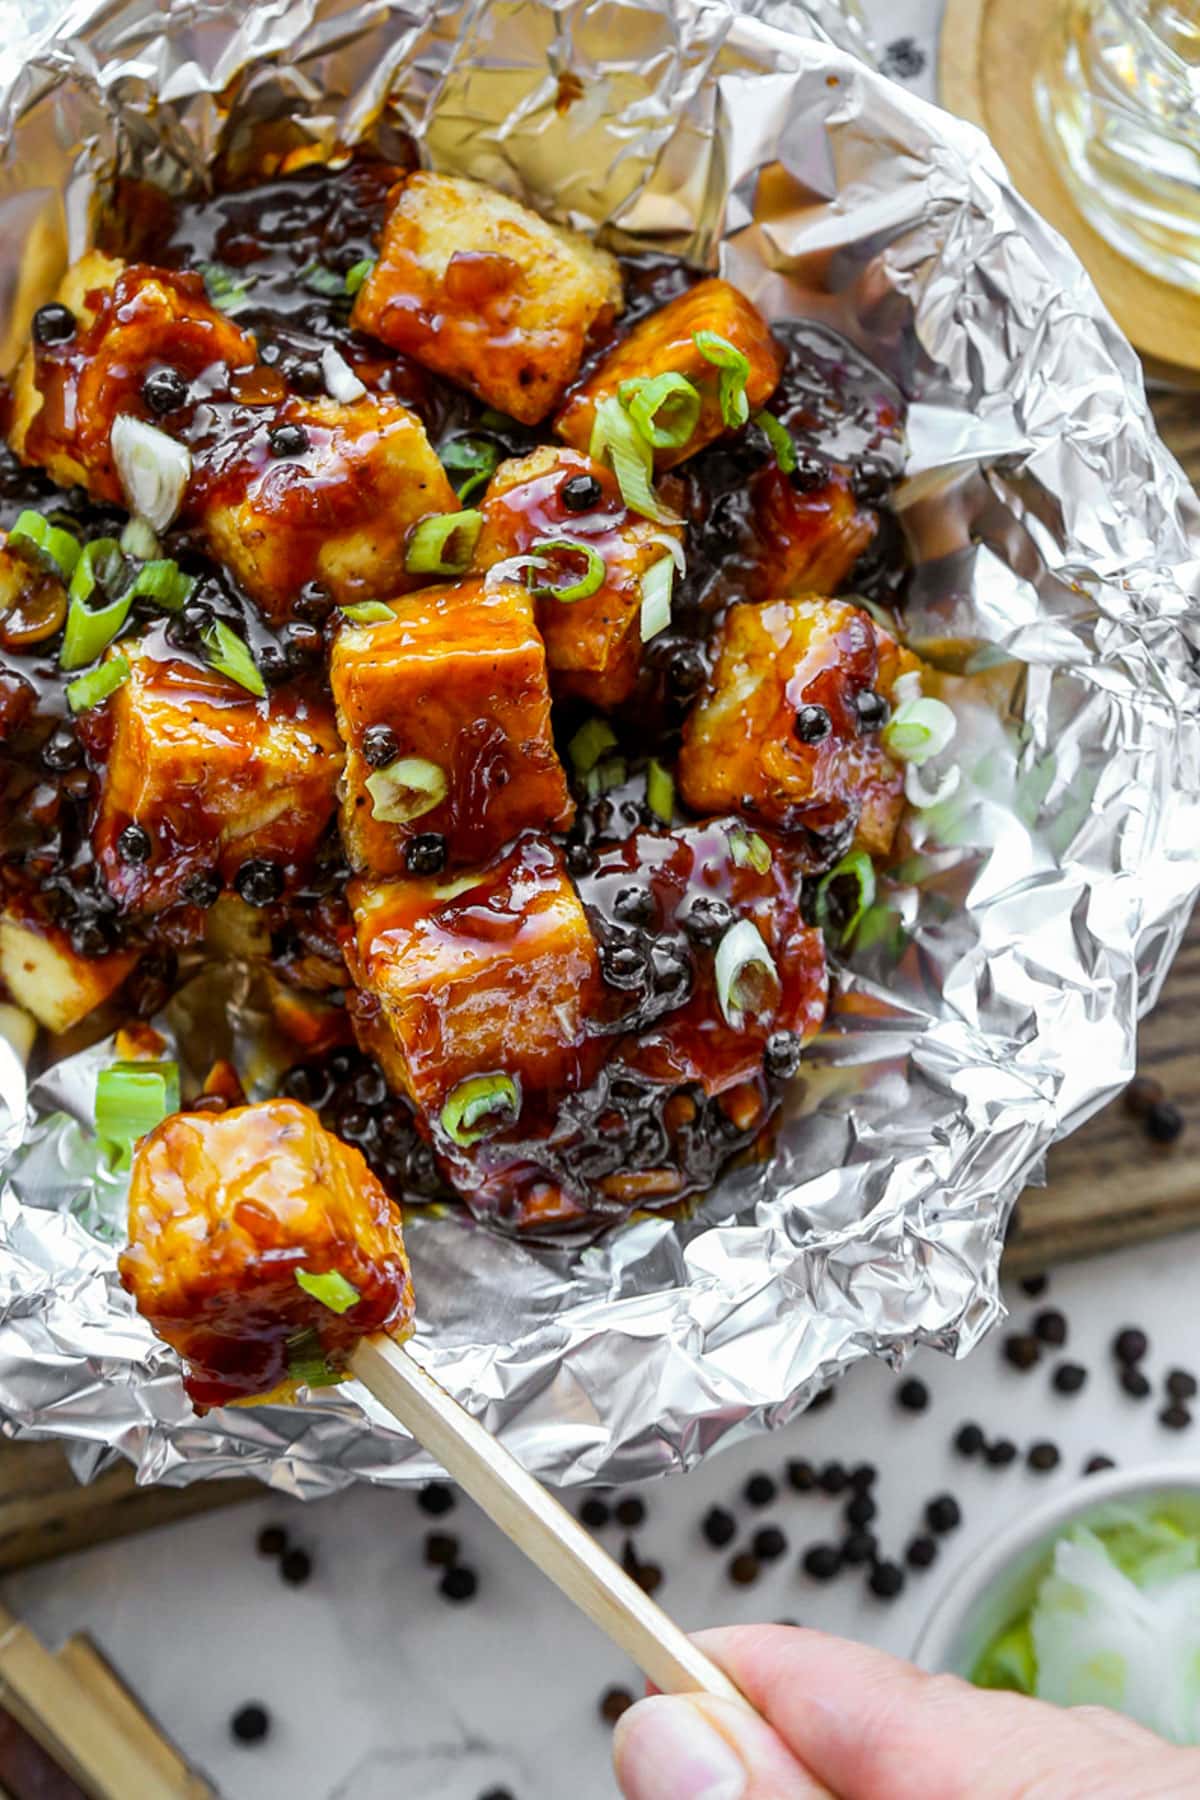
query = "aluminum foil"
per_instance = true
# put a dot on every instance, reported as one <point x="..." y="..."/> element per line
<point x="992" y="1000"/>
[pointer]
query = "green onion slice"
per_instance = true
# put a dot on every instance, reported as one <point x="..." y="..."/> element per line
<point x="38" y="540"/>
<point x="607" y="775"/>
<point x="476" y="457"/>
<point x="230" y="655"/>
<point x="749" y="851"/>
<point x="590" y="582"/>
<point x="89" y="690"/>
<point x="442" y="544"/>
<point x="132" y="1098"/>
<point x="138" y="540"/>
<point x="90" y="631"/>
<point x="858" y="867"/>
<point x="404" y="790"/>
<point x="225" y="288"/>
<point x="745" y="973"/>
<point x="480" y="1106"/>
<point x="615" y="436"/>
<point x="593" y="738"/>
<point x="332" y="1289"/>
<point x="779" y="438"/>
<point x="163" y="582"/>
<point x="320" y="280"/>
<point x="918" y="730"/>
<point x="368" y="612"/>
<point x="656" y="597"/>
<point x="734" y="373"/>
<point x="307" y="1364"/>
<point x="357" y="274"/>
<point x="660" y="791"/>
<point x="665" y="408"/>
<point x="921" y="797"/>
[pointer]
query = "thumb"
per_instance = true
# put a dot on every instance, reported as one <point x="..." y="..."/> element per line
<point x="693" y="1747"/>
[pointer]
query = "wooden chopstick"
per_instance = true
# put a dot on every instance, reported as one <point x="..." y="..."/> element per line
<point x="535" y="1522"/>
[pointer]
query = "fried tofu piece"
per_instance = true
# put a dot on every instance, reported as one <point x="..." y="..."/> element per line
<point x="227" y="1212"/>
<point x="213" y="776"/>
<point x="489" y="972"/>
<point x="593" y="645"/>
<point x="45" y="976"/>
<point x="802" y="540"/>
<point x="664" y="343"/>
<point x="479" y="288"/>
<point x="130" y="320"/>
<point x="742" y="750"/>
<point x="339" y="512"/>
<point x="458" y="678"/>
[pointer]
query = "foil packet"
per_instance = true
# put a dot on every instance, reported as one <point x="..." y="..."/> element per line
<point x="992" y="998"/>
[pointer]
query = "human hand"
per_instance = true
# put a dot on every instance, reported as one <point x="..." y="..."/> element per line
<point x="840" y="1721"/>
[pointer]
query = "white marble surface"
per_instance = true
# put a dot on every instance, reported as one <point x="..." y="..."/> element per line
<point x="378" y="1688"/>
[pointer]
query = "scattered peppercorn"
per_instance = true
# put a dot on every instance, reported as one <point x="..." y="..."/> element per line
<point x="1175" y="1417"/>
<point x="1069" y="1378"/>
<point x="921" y="1552"/>
<point x="802" y="1477"/>
<point x="630" y="1512"/>
<point x="1050" y="1327"/>
<point x="380" y="746"/>
<point x="1135" y="1384"/>
<point x="1034" y="1285"/>
<point x="436" y="1499"/>
<point x="250" y="1724"/>
<point x="1130" y="1345"/>
<point x="424" y="854"/>
<point x="760" y="1490"/>
<point x="744" y="1568"/>
<point x="707" y="919"/>
<point x="873" y="710"/>
<point x="164" y="389"/>
<point x="1095" y="1465"/>
<point x="259" y="882"/>
<point x="53" y="323"/>
<point x="859" y="1547"/>
<point x="441" y="1550"/>
<point x="1022" y="1350"/>
<point x="886" y="1580"/>
<point x="580" y="493"/>
<point x="1142" y="1093"/>
<point x="1164" y="1122"/>
<point x="134" y="845"/>
<point x="295" y="1566"/>
<point x="943" y="1513"/>
<point x="497" y="1794"/>
<point x="822" y="1562"/>
<point x="1181" y="1384"/>
<point x="813" y="724"/>
<point x="769" y="1544"/>
<point x="719" y="1527"/>
<point x="287" y="440"/>
<point x="649" y="1577"/>
<point x="1000" y="1453"/>
<point x="912" y="1395"/>
<point x="1043" y="1457"/>
<point x="781" y="1055"/>
<point x="272" y="1540"/>
<point x="459" y="1584"/>
<point x="833" y="1478"/>
<point x="863" y="1476"/>
<point x="203" y="888"/>
<point x="595" y="1513"/>
<point x="613" y="1702"/>
<point x="860" y="1511"/>
<point x="969" y="1440"/>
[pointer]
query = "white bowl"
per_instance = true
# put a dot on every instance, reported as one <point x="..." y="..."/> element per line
<point x="1000" y="1583"/>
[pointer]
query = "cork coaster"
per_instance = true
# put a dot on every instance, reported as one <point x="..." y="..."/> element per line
<point x="986" y="61"/>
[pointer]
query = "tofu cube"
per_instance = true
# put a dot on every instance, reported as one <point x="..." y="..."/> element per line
<point x="479" y="288"/>
<point x="458" y="679"/>
<point x="212" y="775"/>
<point x="664" y="343"/>
<point x="491" y="972"/>
<point x="741" y="748"/>
<point x="45" y="976"/>
<point x="593" y="645"/>
<point x="338" y="513"/>
<point x="226" y="1211"/>
<point x="130" y="319"/>
<point x="802" y="540"/>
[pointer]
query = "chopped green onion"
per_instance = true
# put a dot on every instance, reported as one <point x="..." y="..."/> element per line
<point x="341" y="383"/>
<point x="90" y="689"/>
<point x="154" y="469"/>
<point x="735" y="371"/>
<point x="859" y="868"/>
<point x="593" y="738"/>
<point x="368" y="612"/>
<point x="590" y="582"/>
<point x="406" y="789"/>
<point x="458" y="884"/>
<point x="90" y="632"/>
<point x="357" y="273"/>
<point x="918" y="730"/>
<point x="749" y="851"/>
<point x="230" y="656"/>
<point x="745" y="973"/>
<point x="478" y="457"/>
<point x="918" y="795"/>
<point x="132" y="1098"/>
<point x="660" y="791"/>
<point x="223" y="286"/>
<point x="607" y="775"/>
<point x="442" y="543"/>
<point x="665" y="408"/>
<point x="480" y="1106"/>
<point x="320" y="280"/>
<point x="332" y="1289"/>
<point x="100" y="564"/>
<point x="31" y="534"/>
<point x="656" y="597"/>
<point x="615" y="435"/>
<point x="779" y="438"/>
<point x="138" y="540"/>
<point x="307" y="1364"/>
<point x="162" y="581"/>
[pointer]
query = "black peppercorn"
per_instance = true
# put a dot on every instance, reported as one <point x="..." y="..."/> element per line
<point x="581" y="858"/>
<point x="458" y="1584"/>
<point x="53" y="323"/>
<point x="886" y="1580"/>
<point x="872" y="709"/>
<point x="858" y="1548"/>
<point x="1142" y="1093"/>
<point x="436" y="1499"/>
<point x="1022" y="1350"/>
<point x="295" y="1566"/>
<point x="1050" y="1327"/>
<point x="744" y="1568"/>
<point x="719" y="1527"/>
<point x="813" y="724"/>
<point x="1181" y="1384"/>
<point x="287" y="440"/>
<point x="613" y="1702"/>
<point x="943" y="1513"/>
<point x="1135" y="1384"/>
<point x="259" y="882"/>
<point x="595" y="1513"/>
<point x="1043" y="1457"/>
<point x="707" y="919"/>
<point x="781" y="1055"/>
<point x="62" y="750"/>
<point x="860" y="1511"/>
<point x="497" y="1794"/>
<point x="1164" y="1122"/>
<point x="759" y="1490"/>
<point x="1069" y="1378"/>
<point x="649" y="1577"/>
<point x="134" y="844"/>
<point x="164" y="389"/>
<point x="441" y="1550"/>
<point x="801" y="1476"/>
<point x="833" y="1478"/>
<point x="687" y="669"/>
<point x="822" y="1562"/>
<point x="921" y="1552"/>
<point x="1130" y="1345"/>
<point x="630" y="1512"/>
<point x="271" y="1540"/>
<point x="203" y="888"/>
<point x="1175" y="1417"/>
<point x="250" y="1723"/>
<point x="635" y="905"/>
<point x="425" y="854"/>
<point x="969" y="1440"/>
<point x="769" y="1544"/>
<point x="622" y="965"/>
<point x="863" y="1476"/>
<point x="1033" y="1285"/>
<point x="912" y="1395"/>
<point x="1000" y="1453"/>
<point x="580" y="493"/>
<point x="380" y="746"/>
<point x="1095" y="1465"/>
<point x="303" y="645"/>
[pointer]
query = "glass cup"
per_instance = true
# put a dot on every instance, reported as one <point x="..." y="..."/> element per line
<point x="1118" y="97"/>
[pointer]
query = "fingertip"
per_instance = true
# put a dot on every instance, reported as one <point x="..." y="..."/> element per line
<point x="664" y="1748"/>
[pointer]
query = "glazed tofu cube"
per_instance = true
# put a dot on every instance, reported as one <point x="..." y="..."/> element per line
<point x="788" y="730"/>
<point x="664" y="343"/>
<point x="593" y="645"/>
<point x="230" y="1215"/>
<point x="445" y="713"/>
<point x="479" y="288"/>
<point x="45" y="976"/>
<point x="802" y="540"/>
<point x="338" y="511"/>
<point x="130" y="321"/>
<point x="211" y="776"/>
<point x="492" y="972"/>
